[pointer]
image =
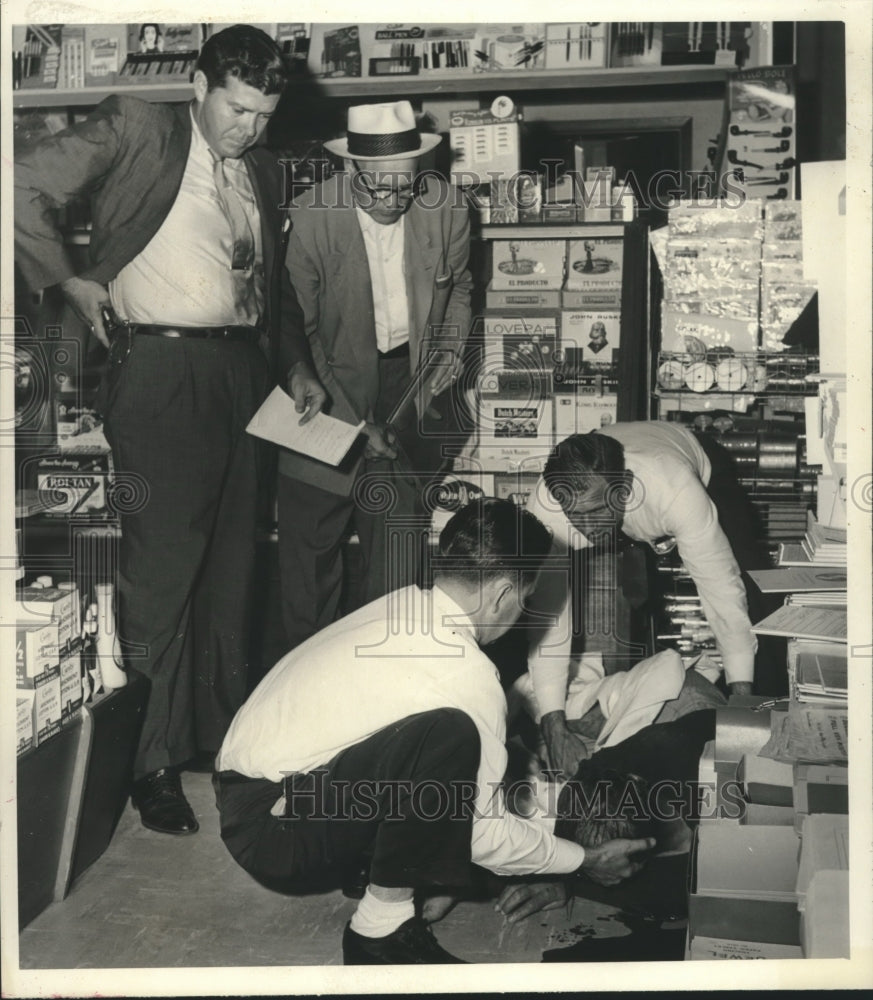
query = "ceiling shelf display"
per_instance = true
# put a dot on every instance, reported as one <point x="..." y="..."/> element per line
<point x="534" y="80"/>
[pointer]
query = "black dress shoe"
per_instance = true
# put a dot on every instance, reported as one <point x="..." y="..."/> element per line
<point x="412" y="943"/>
<point x="355" y="879"/>
<point x="162" y="804"/>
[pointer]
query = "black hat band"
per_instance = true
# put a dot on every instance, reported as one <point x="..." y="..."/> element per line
<point x="364" y="144"/>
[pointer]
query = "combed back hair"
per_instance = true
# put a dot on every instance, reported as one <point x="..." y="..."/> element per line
<point x="573" y="465"/>
<point x="247" y="53"/>
<point x="490" y="538"/>
<point x="601" y="804"/>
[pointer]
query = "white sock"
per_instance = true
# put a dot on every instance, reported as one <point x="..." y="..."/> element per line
<point x="375" y="918"/>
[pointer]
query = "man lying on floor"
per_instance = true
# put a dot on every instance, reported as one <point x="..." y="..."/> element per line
<point x="663" y="760"/>
<point x="383" y="736"/>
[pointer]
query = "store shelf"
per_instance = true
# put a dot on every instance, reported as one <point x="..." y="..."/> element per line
<point x="89" y="96"/>
<point x="550" y="230"/>
<point x="426" y="86"/>
<point x="637" y="76"/>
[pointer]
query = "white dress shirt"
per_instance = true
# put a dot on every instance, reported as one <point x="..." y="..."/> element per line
<point x="670" y="472"/>
<point x="385" y="249"/>
<point x="408" y="652"/>
<point x="183" y="276"/>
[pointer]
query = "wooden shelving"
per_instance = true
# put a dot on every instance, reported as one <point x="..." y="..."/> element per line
<point x="425" y="86"/>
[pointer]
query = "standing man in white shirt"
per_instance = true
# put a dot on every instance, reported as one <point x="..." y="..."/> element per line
<point x="384" y="736"/>
<point x="654" y="482"/>
<point x="185" y="249"/>
<point x="378" y="256"/>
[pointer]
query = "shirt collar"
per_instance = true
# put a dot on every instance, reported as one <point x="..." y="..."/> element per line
<point x="369" y="225"/>
<point x="449" y="616"/>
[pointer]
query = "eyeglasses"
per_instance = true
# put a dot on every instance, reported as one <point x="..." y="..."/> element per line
<point x="383" y="193"/>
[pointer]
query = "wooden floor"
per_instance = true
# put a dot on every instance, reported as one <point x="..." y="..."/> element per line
<point x="153" y="901"/>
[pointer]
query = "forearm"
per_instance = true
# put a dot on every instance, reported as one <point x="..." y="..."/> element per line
<point x="51" y="175"/>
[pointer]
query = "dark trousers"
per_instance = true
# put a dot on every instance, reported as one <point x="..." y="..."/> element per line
<point x="176" y="412"/>
<point x="385" y="509"/>
<point x="402" y="798"/>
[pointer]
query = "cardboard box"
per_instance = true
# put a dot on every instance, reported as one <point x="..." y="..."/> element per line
<point x="766" y="782"/>
<point x="514" y="434"/>
<point x="739" y="730"/>
<point x="501" y="298"/>
<point x="519" y="340"/>
<point x="592" y="298"/>
<point x="589" y="338"/>
<point x="78" y="483"/>
<point x="528" y="264"/>
<point x="105" y="53"/>
<point x="824" y="846"/>
<point x="583" y="411"/>
<point x="51" y="604"/>
<point x="595" y="265"/>
<point x="79" y="427"/>
<point x="36" y="651"/>
<point x="742" y="882"/>
<point x="71" y="684"/>
<point x="23" y="720"/>
<point x="46" y="705"/>
<point x="756" y="814"/>
<point x="824" y="924"/>
<point x="709" y="948"/>
<point x="821" y="788"/>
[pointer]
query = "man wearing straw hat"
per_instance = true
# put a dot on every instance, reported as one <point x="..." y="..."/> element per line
<point x="378" y="257"/>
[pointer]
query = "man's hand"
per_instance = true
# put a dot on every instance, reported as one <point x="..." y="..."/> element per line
<point x="519" y="901"/>
<point x="307" y="392"/>
<point x="380" y="442"/>
<point x="565" y="750"/>
<point x="609" y="863"/>
<point x="434" y="908"/>
<point x="451" y="373"/>
<point x="87" y="298"/>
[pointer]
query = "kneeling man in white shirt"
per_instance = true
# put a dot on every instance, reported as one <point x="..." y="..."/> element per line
<point x="383" y="737"/>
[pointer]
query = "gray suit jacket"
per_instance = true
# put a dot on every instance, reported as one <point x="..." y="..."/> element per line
<point x="129" y="157"/>
<point x="327" y="262"/>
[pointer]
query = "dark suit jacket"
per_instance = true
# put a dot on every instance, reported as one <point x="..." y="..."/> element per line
<point x="129" y="157"/>
<point x="327" y="261"/>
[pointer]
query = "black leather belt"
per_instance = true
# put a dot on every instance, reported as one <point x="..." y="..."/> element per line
<point x="398" y="352"/>
<point x="250" y="333"/>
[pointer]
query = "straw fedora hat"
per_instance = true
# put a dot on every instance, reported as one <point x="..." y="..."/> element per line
<point x="382" y="132"/>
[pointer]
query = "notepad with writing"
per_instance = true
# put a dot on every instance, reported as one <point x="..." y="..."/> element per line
<point x="323" y="437"/>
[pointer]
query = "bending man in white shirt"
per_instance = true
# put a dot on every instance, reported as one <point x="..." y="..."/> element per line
<point x="649" y="480"/>
<point x="391" y="723"/>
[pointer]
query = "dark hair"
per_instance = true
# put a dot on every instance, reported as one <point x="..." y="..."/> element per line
<point x="150" y="24"/>
<point x="601" y="804"/>
<point x="577" y="460"/>
<point x="247" y="53"/>
<point x="490" y="538"/>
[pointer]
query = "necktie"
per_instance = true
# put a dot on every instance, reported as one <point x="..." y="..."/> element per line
<point x="243" y="253"/>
